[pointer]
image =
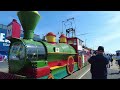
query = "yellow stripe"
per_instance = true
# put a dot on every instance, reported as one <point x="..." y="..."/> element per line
<point x="55" y="67"/>
<point x="60" y="53"/>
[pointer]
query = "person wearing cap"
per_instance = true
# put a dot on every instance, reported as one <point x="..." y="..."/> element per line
<point x="99" y="64"/>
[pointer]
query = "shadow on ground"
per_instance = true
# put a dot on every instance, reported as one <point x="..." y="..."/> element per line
<point x="114" y="73"/>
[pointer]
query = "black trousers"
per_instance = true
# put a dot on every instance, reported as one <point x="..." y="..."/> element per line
<point x="99" y="77"/>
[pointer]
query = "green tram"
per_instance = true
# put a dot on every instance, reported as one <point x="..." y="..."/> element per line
<point x="44" y="59"/>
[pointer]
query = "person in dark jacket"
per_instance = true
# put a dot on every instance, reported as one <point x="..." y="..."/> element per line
<point x="99" y="64"/>
<point x="111" y="59"/>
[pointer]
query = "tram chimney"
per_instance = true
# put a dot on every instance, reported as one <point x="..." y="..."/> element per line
<point x="29" y="20"/>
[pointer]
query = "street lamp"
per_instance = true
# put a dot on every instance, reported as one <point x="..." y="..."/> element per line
<point x="85" y="42"/>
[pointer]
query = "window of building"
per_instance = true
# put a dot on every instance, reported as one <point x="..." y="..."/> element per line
<point x="1" y="25"/>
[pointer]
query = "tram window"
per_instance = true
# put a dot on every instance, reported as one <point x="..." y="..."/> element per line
<point x="22" y="52"/>
<point x="80" y="42"/>
<point x="31" y="52"/>
<point x="75" y="43"/>
<point x="41" y="52"/>
<point x="35" y="52"/>
<point x="70" y="42"/>
<point x="17" y="51"/>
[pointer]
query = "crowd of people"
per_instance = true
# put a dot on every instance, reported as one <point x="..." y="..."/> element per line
<point x="110" y="59"/>
<point x="100" y="62"/>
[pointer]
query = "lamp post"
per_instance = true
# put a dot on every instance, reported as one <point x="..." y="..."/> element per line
<point x="85" y="42"/>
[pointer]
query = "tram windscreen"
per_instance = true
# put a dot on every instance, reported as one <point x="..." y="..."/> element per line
<point x="35" y="52"/>
<point x="17" y="51"/>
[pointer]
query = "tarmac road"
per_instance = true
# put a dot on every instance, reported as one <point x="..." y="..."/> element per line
<point x="3" y="66"/>
<point x="112" y="73"/>
<point x="85" y="73"/>
<point x="81" y="74"/>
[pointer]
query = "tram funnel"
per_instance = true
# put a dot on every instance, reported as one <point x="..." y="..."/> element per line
<point x="29" y="20"/>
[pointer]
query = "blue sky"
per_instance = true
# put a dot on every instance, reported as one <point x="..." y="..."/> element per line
<point x="103" y="27"/>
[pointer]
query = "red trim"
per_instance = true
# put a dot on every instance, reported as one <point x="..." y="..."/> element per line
<point x="51" y="34"/>
<point x="40" y="72"/>
<point x="36" y="72"/>
<point x="57" y="63"/>
<point x="31" y="72"/>
<point x="62" y="35"/>
<point x="52" y="42"/>
<point x="70" y="65"/>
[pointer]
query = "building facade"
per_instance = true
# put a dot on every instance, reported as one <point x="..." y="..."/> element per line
<point x="4" y="42"/>
<point x="12" y="30"/>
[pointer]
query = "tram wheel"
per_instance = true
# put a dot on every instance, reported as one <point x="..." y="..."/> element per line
<point x="70" y="65"/>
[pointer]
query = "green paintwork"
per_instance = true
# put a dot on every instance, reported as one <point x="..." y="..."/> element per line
<point x="65" y="48"/>
<point x="44" y="77"/>
<point x="29" y="20"/>
<point x="59" y="72"/>
<point x="65" y="51"/>
<point x="38" y="64"/>
<point x="30" y="42"/>
<point x="75" y="67"/>
<point x="15" y="66"/>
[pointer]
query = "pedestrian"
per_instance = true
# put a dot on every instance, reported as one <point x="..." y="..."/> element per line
<point x="118" y="65"/>
<point x="99" y="64"/>
<point x="109" y="59"/>
<point x="118" y="61"/>
<point x="111" y="56"/>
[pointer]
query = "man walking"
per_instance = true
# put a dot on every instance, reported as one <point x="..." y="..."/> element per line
<point x="99" y="64"/>
<point x="118" y="61"/>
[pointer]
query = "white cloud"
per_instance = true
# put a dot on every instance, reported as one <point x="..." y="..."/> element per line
<point x="10" y="18"/>
<point x="74" y="14"/>
<point x="107" y="38"/>
<point x="114" y="20"/>
<point x="110" y="32"/>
